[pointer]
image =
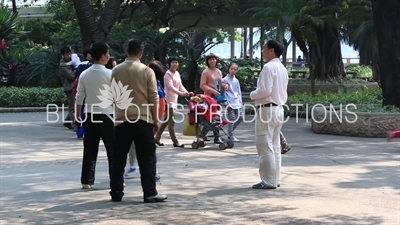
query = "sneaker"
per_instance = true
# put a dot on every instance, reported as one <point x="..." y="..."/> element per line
<point x="130" y="172"/>
<point x="218" y="140"/>
<point x="234" y="139"/>
<point x="86" y="186"/>
<point x="157" y="198"/>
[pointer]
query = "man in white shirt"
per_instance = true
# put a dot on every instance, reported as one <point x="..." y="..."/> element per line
<point x="269" y="98"/>
<point x="98" y="122"/>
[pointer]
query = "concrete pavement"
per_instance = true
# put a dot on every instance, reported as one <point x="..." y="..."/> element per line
<point x="325" y="180"/>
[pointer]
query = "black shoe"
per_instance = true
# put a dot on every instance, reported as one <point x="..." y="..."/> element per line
<point x="116" y="199"/>
<point x="153" y="199"/>
<point x="178" y="145"/>
<point x="159" y="143"/>
<point x="116" y="196"/>
<point x="68" y="125"/>
<point x="262" y="185"/>
<point x="218" y="141"/>
<point x="279" y="185"/>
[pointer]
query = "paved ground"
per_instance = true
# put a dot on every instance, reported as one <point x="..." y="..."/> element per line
<point x="326" y="180"/>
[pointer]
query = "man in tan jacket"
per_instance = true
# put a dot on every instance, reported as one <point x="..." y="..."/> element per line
<point x="136" y="112"/>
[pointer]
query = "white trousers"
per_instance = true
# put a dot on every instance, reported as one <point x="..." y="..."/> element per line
<point x="269" y="122"/>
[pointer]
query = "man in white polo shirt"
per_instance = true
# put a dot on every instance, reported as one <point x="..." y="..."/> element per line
<point x="269" y="98"/>
<point x="98" y="122"/>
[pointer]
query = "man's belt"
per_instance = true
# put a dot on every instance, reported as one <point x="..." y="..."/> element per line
<point x="266" y="105"/>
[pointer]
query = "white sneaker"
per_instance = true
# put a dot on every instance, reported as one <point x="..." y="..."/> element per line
<point x="234" y="139"/>
<point x="86" y="186"/>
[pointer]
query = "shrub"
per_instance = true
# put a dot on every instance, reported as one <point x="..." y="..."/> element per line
<point x="31" y="97"/>
<point x="337" y="80"/>
<point x="364" y="71"/>
<point x="367" y="100"/>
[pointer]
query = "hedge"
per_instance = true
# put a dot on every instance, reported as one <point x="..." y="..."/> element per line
<point x="31" y="97"/>
<point x="370" y="99"/>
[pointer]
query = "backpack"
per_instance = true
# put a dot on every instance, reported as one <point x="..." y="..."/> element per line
<point x="82" y="67"/>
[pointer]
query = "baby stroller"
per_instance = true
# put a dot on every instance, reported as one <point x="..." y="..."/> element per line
<point x="393" y="134"/>
<point x="204" y="112"/>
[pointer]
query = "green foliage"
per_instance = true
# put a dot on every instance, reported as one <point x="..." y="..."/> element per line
<point x="43" y="68"/>
<point x="31" y="97"/>
<point x="364" y="71"/>
<point x="337" y="80"/>
<point x="119" y="34"/>
<point x="8" y="22"/>
<point x="43" y="32"/>
<point x="367" y="100"/>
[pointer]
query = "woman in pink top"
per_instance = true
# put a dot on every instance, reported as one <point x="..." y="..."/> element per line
<point x="211" y="82"/>
<point x="173" y="88"/>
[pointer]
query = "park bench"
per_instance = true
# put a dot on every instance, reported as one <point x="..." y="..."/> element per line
<point x="299" y="73"/>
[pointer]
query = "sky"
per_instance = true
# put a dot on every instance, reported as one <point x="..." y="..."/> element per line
<point x="224" y="50"/>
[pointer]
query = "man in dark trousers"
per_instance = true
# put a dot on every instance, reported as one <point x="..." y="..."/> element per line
<point x="67" y="76"/>
<point x="136" y="120"/>
<point x="98" y="122"/>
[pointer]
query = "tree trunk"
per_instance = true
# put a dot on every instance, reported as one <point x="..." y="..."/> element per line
<point x="160" y="54"/>
<point x="14" y="6"/>
<point x="193" y="68"/>
<point x="91" y="30"/>
<point x="365" y="56"/>
<point x="296" y="34"/>
<point x="387" y="24"/>
<point x="376" y="74"/>
<point x="328" y="53"/>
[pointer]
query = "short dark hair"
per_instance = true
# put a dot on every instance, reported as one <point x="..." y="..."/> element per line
<point x="135" y="46"/>
<point x="278" y="47"/>
<point x="232" y="64"/>
<point x="211" y="56"/>
<point x="109" y="64"/>
<point x="75" y="48"/>
<point x="65" y="50"/>
<point x="172" y="58"/>
<point x="158" y="69"/>
<point x="98" y="49"/>
<point x="86" y="51"/>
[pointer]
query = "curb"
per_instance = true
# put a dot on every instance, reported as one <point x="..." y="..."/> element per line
<point x="32" y="109"/>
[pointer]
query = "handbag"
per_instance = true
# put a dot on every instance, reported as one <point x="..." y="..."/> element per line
<point x="221" y="98"/>
<point x="189" y="129"/>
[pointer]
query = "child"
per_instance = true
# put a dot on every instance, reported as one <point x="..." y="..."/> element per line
<point x="234" y="100"/>
<point x="75" y="60"/>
